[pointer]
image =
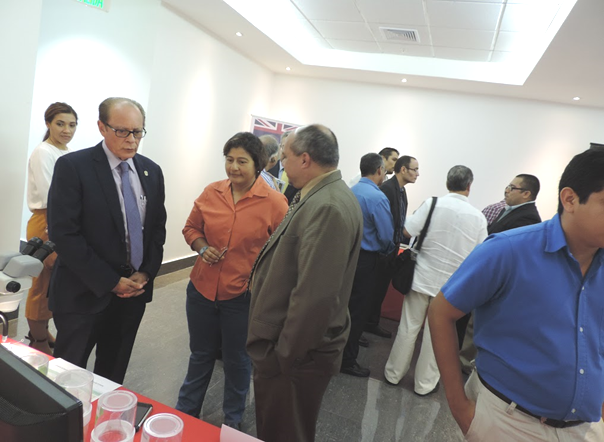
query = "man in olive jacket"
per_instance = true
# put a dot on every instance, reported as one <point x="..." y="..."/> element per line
<point x="299" y="321"/>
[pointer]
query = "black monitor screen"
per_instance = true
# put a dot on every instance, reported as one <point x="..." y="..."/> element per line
<point x="34" y="408"/>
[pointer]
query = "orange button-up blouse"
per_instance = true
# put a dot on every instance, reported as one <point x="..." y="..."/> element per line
<point x="243" y="228"/>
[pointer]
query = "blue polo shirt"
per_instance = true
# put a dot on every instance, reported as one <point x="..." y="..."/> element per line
<point x="378" y="227"/>
<point x="539" y="324"/>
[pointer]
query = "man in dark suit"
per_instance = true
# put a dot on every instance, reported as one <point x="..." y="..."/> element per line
<point x="110" y="234"/>
<point x="406" y="171"/>
<point x="299" y="321"/>
<point x="520" y="210"/>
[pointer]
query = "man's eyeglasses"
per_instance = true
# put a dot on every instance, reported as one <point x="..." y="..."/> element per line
<point x="414" y="170"/>
<point x="510" y="187"/>
<point x="123" y="133"/>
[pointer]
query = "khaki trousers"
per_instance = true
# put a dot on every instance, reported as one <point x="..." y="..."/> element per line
<point x="493" y="422"/>
<point x="413" y="316"/>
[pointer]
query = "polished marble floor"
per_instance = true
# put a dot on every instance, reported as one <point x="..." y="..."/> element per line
<point x="353" y="409"/>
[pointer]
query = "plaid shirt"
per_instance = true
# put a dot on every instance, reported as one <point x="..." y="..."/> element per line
<point x="492" y="211"/>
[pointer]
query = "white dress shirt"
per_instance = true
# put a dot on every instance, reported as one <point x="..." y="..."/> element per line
<point x="455" y="229"/>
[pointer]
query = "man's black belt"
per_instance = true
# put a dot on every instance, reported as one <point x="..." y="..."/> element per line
<point x="544" y="420"/>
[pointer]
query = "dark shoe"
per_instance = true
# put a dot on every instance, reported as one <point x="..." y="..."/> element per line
<point x="378" y="331"/>
<point x="389" y="383"/>
<point x="428" y="393"/>
<point x="363" y="342"/>
<point x="355" y="370"/>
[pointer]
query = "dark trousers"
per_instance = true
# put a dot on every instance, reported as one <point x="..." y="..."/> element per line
<point x="212" y="325"/>
<point x="383" y="275"/>
<point x="362" y="289"/>
<point x="112" y="330"/>
<point x="287" y="406"/>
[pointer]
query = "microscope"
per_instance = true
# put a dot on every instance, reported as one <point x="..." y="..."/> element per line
<point x="16" y="273"/>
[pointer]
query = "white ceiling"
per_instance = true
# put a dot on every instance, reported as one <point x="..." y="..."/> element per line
<point x="464" y="45"/>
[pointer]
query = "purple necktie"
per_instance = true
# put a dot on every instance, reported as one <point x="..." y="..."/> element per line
<point x="133" y="218"/>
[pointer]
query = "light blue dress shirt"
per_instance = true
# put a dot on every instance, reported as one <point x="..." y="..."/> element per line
<point x="378" y="226"/>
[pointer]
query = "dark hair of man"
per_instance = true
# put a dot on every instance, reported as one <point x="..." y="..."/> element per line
<point x="387" y="151"/>
<point x="530" y="183"/>
<point x="107" y="104"/>
<point x="584" y="174"/>
<point x="405" y="160"/>
<point x="370" y="163"/>
<point x="459" y="178"/>
<point x="55" y="109"/>
<point x="319" y="142"/>
<point x="252" y="145"/>
<point x="271" y="146"/>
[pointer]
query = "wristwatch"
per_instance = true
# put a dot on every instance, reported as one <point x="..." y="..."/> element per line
<point x="202" y="250"/>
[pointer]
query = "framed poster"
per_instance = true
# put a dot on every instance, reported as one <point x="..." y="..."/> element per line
<point x="266" y="126"/>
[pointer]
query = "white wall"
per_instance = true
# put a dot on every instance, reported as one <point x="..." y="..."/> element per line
<point x="198" y="92"/>
<point x="202" y="94"/>
<point x="19" y="22"/>
<point x="86" y="55"/>
<point x="497" y="138"/>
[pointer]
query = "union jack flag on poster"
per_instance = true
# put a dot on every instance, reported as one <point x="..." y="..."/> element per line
<point x="264" y="126"/>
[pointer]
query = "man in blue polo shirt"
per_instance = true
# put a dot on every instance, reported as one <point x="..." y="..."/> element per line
<point x="378" y="231"/>
<point x="538" y="295"/>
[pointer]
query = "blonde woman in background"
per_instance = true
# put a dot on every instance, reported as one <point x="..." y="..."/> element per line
<point x="61" y="122"/>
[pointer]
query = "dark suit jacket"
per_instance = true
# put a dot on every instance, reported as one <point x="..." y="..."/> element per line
<point x="85" y="222"/>
<point x="392" y="190"/>
<point x="522" y="216"/>
<point x="302" y="283"/>
<point x="290" y="191"/>
<point x="274" y="171"/>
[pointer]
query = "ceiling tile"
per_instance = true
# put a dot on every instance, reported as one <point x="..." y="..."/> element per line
<point x="409" y="12"/>
<point x="530" y="17"/>
<point x="343" y="30"/>
<point x="485" y="1"/>
<point x="354" y="46"/>
<point x="462" y="38"/>
<point x="335" y="10"/>
<point x="403" y="49"/>
<point x="461" y="54"/>
<point x="510" y="41"/>
<point x="463" y="15"/>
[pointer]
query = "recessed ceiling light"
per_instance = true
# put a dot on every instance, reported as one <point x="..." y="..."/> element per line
<point x="288" y="68"/>
<point x="238" y="34"/>
<point x="576" y="98"/>
<point x="404" y="80"/>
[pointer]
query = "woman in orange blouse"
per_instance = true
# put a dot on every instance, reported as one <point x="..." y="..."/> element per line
<point x="230" y="222"/>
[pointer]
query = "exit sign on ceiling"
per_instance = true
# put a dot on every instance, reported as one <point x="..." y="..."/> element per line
<point x="103" y="5"/>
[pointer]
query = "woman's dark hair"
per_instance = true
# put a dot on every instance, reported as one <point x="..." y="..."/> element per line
<point x="584" y="174"/>
<point x="252" y="145"/>
<point x="55" y="109"/>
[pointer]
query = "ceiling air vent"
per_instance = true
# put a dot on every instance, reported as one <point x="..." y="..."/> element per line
<point x="400" y="35"/>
